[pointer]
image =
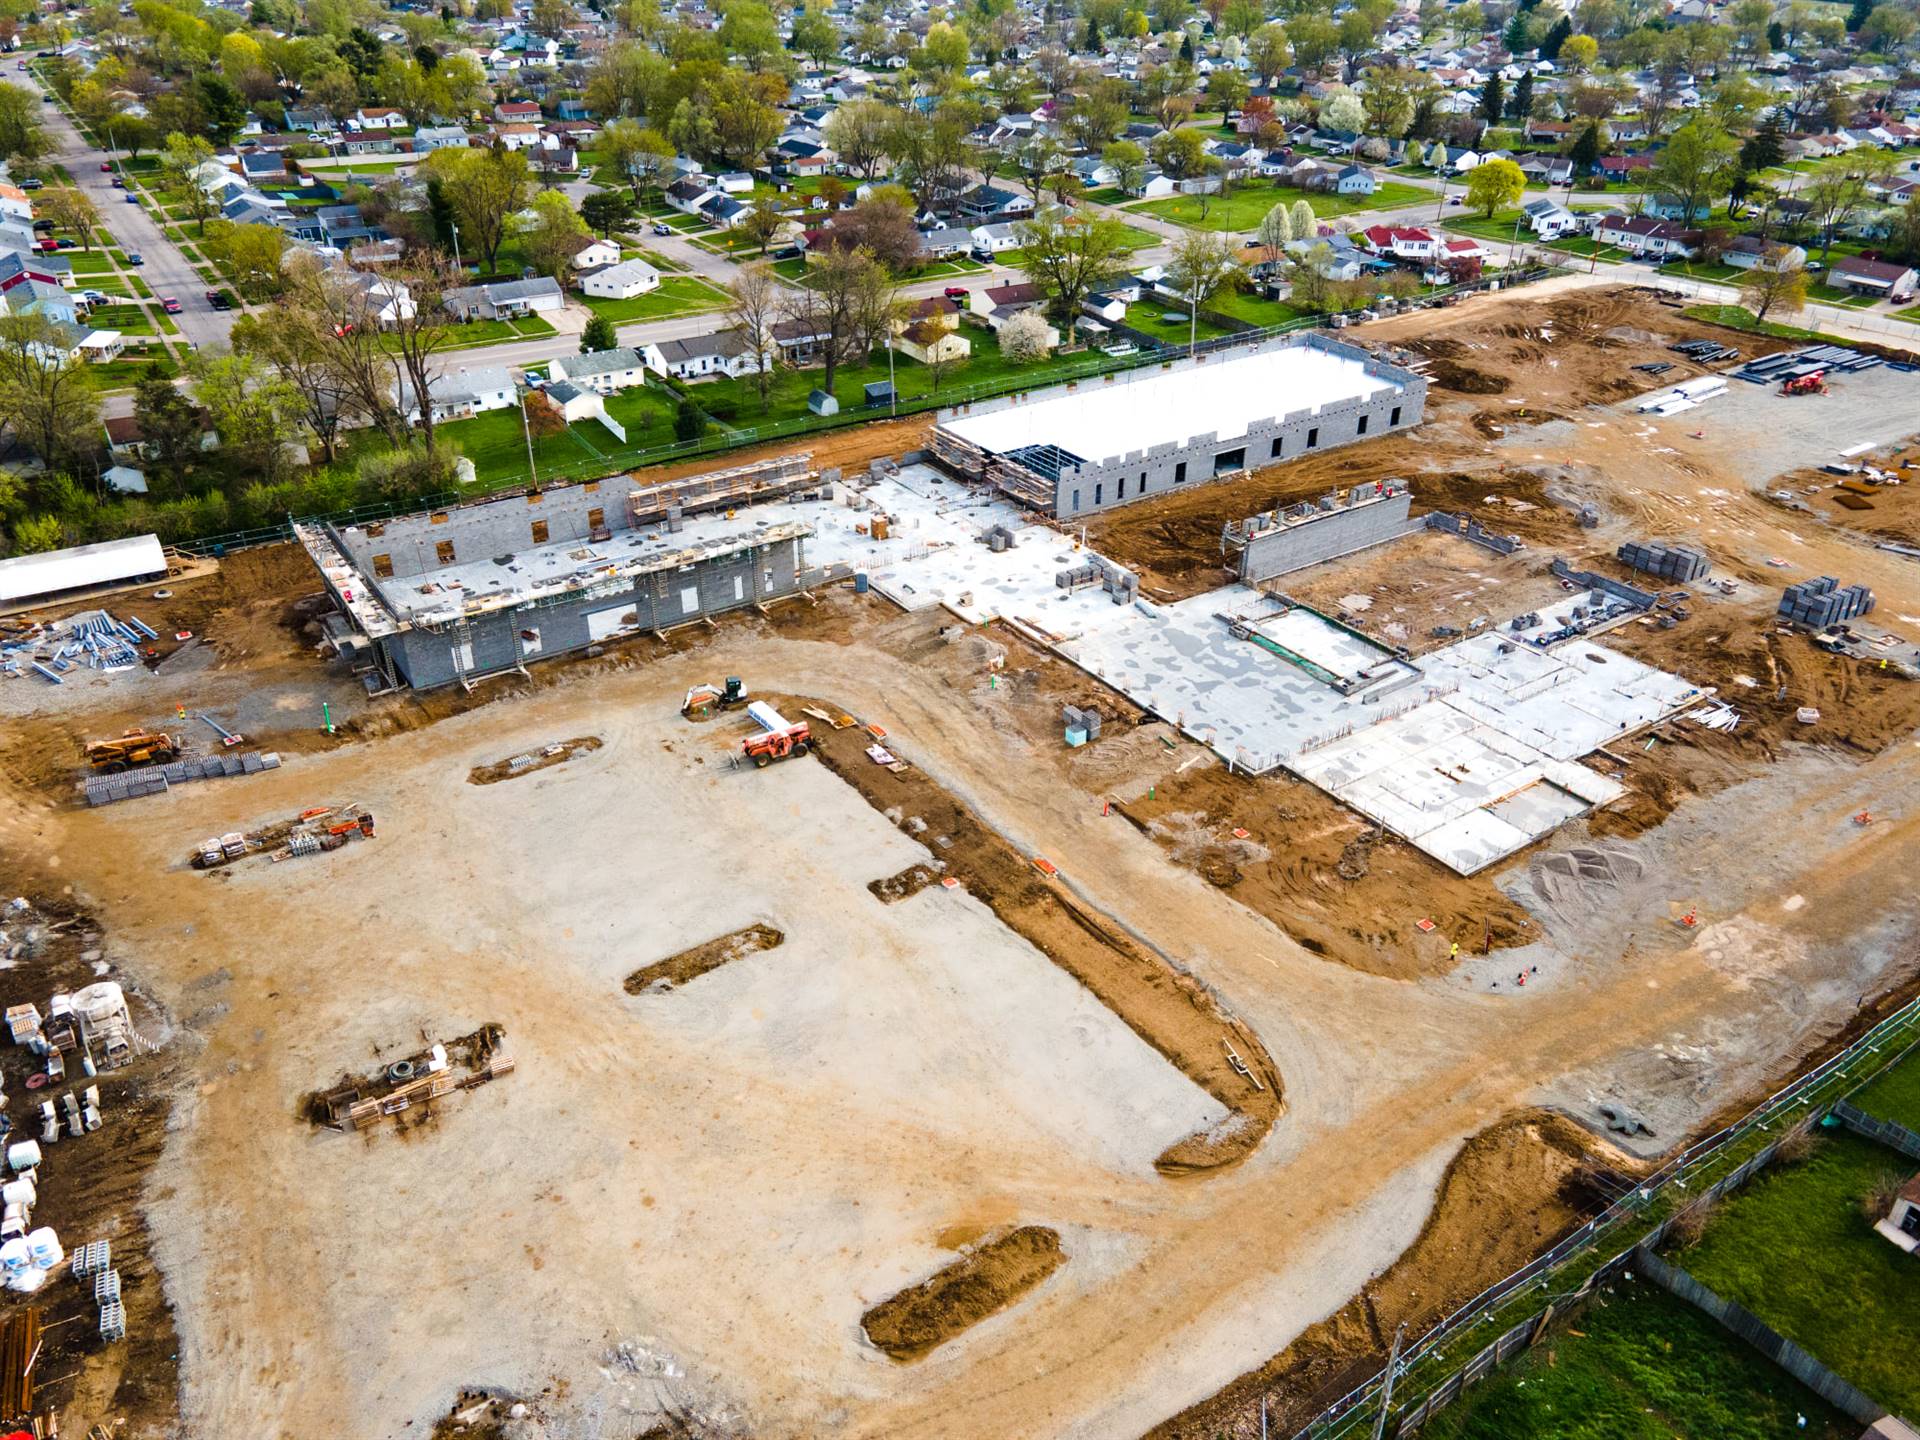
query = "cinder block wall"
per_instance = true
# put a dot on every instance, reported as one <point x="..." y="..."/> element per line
<point x="1327" y="537"/>
<point x="488" y="528"/>
<point x="503" y="639"/>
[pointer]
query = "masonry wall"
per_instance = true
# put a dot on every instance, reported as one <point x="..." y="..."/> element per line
<point x="1140" y="475"/>
<point x="504" y="639"/>
<point x="495" y="527"/>
<point x="1328" y="536"/>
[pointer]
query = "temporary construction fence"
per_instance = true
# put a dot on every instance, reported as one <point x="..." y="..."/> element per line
<point x="1512" y="1315"/>
<point x="592" y="467"/>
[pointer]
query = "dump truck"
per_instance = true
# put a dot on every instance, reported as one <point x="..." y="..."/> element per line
<point x="778" y="737"/>
<point x="133" y="750"/>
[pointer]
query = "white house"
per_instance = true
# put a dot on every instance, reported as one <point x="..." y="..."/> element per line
<point x="573" y="403"/>
<point x="722" y="353"/>
<point x="506" y="298"/>
<point x="607" y="371"/>
<point x="1646" y="236"/>
<point x="993" y="239"/>
<point x="596" y="256"/>
<point x="388" y="301"/>
<point x="378" y="118"/>
<point x="1750" y="252"/>
<point x="1549" y="220"/>
<point x="620" y="282"/>
<point x="461" y="393"/>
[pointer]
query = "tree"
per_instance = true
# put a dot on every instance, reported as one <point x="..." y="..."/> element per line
<point x="882" y="225"/>
<point x="170" y="427"/>
<point x="1269" y="52"/>
<point x="606" y="210"/>
<point x="554" y="235"/>
<point x="1275" y="232"/>
<point x="1522" y="103"/>
<point x="1069" y="256"/>
<point x="1774" y="285"/>
<point x="1034" y="159"/>
<point x="1391" y="98"/>
<point x="1888" y="27"/>
<point x="420" y="331"/>
<point x="291" y="340"/>
<point x="1492" y="100"/>
<point x="180" y="165"/>
<point x="1555" y="41"/>
<point x="1344" y="114"/>
<point x="45" y="397"/>
<point x="641" y="155"/>
<point x="70" y="209"/>
<point x="1202" y="265"/>
<point x="1495" y="184"/>
<point x="599" y="335"/>
<point x="1181" y="153"/>
<point x="1585" y="150"/>
<point x="253" y="253"/>
<point x="754" y="309"/>
<point x="625" y="78"/>
<point x="1766" y="147"/>
<point x="858" y="133"/>
<point x="1579" y="53"/>
<point x="1026" y="338"/>
<point x="848" y="298"/>
<point x="1838" y="188"/>
<point x="224" y="107"/>
<point x="815" y="35"/>
<point x="1128" y="163"/>
<point x="253" y="409"/>
<point x="1305" y="224"/>
<point x="22" y="137"/>
<point x="1695" y="166"/>
<point x="1227" y="91"/>
<point x="34" y="534"/>
<point x="544" y="418"/>
<point x="688" y="422"/>
<point x="485" y="189"/>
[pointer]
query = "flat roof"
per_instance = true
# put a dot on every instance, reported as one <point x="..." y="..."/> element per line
<point x="53" y="571"/>
<point x="1144" y="408"/>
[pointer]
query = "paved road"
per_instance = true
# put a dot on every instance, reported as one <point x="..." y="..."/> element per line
<point x="135" y="229"/>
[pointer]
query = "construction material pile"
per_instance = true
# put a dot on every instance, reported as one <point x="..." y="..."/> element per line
<point x="1793" y="364"/>
<point x="1684" y="396"/>
<point x="106" y="789"/>
<point x="1822" y="602"/>
<point x="92" y="638"/>
<point x="1669" y="562"/>
<point x="312" y="832"/>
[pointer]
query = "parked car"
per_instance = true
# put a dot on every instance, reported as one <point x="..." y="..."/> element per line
<point x="134" y="257"/>
<point x="118" y="183"/>
<point x="132" y="199"/>
<point x="219" y="299"/>
<point x="170" y="305"/>
<point x="66" y="242"/>
<point x="660" y="227"/>
<point x="44" y="226"/>
<point x="47" y="245"/>
<point x="106" y="167"/>
<point x="32" y="183"/>
<point x="94" y="297"/>
<point x="956" y="293"/>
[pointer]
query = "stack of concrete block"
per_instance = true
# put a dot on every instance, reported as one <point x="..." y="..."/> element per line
<point x="107" y="789"/>
<point x="1075" y="576"/>
<point x="1085" y="720"/>
<point x="1122" y="585"/>
<point x="1669" y="562"/>
<point x="999" y="538"/>
<point x="1823" y="602"/>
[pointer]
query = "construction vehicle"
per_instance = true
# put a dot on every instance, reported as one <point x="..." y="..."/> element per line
<point x="133" y="750"/>
<point x="1813" y="383"/>
<point x="703" y="699"/>
<point x="778" y="737"/>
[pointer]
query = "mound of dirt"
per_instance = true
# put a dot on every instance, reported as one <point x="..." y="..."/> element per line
<point x="891" y="889"/>
<point x="692" y="963"/>
<point x="529" y="761"/>
<point x="983" y="1281"/>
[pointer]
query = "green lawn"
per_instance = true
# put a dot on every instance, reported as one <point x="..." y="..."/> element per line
<point x="1149" y="316"/>
<point x="125" y="373"/>
<point x="677" y="295"/>
<point x="1246" y="206"/>
<point x="1706" y="270"/>
<point x="128" y="319"/>
<point x="1795" y="1248"/>
<point x="492" y="332"/>
<point x="497" y="445"/>
<point x="1832" y="295"/>
<point x="1639" y="1365"/>
<point x="1735" y="318"/>
<point x="1912" y="313"/>
<point x="1107" y="195"/>
<point x="90" y="262"/>
<point x="1895" y="1094"/>
<point x="1246" y="305"/>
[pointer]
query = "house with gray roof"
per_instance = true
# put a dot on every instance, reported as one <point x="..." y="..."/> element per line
<point x="503" y="299"/>
<point x="607" y="371"/>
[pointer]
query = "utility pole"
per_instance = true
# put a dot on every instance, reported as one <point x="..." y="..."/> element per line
<point x="456" y="247"/>
<point x="1386" y="1388"/>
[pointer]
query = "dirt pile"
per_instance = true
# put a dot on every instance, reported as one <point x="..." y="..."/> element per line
<point x="530" y="761"/>
<point x="1170" y="1010"/>
<point x="986" y="1279"/>
<point x="1511" y="1192"/>
<point x="697" y="960"/>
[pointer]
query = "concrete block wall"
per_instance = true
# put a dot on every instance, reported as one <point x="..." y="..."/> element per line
<point x="1327" y="536"/>
<point x="500" y="640"/>
<point x="479" y="531"/>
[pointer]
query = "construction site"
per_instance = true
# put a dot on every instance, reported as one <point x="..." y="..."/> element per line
<point x="855" y="941"/>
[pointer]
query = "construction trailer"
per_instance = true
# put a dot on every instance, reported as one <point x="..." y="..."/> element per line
<point x="1091" y="445"/>
<point x="456" y="595"/>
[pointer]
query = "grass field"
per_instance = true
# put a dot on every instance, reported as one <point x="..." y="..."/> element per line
<point x="1246" y="206"/>
<point x="1245" y="305"/>
<point x="1148" y="317"/>
<point x="492" y="332"/>
<point x="1795" y="1248"/>
<point x="1639" y="1365"/>
<point x="497" y="445"/>
<point x="1832" y="295"/>
<point x="124" y="374"/>
<point x="1895" y="1095"/>
<point x="677" y="295"/>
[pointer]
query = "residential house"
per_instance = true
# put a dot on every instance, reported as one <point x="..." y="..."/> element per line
<point x="429" y="138"/>
<point x="1458" y="259"/>
<point x="1883" y="279"/>
<point x="734" y="182"/>
<point x="1401" y="242"/>
<point x="991" y="240"/>
<point x="607" y="371"/>
<point x="724" y="211"/>
<point x="502" y="299"/>
<point x="1549" y="220"/>
<point x="946" y="241"/>
<point x="309" y="118"/>
<point x="1644" y="235"/>
<point x="1356" y="180"/>
<point x="387" y="301"/>
<point x="721" y="353"/>
<point x="1617" y="168"/>
<point x="625" y="281"/>
<point x="517" y="135"/>
<point x="16" y="204"/>
<point x="574" y="403"/>
<point x="993" y="205"/>
<point x="997" y="304"/>
<point x="1750" y="252"/>
<point x="800" y="342"/>
<point x="517" y="112"/>
<point x="379" y="117"/>
<point x="372" y="142"/>
<point x="1547" y="169"/>
<point x="461" y="393"/>
<point x="596" y="255"/>
<point x="687" y="196"/>
<point x="263" y="167"/>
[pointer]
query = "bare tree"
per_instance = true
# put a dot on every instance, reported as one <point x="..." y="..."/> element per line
<point x="754" y="309"/>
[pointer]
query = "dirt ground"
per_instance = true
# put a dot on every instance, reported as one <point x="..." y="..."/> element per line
<point x="672" y="1217"/>
<point x="989" y="1276"/>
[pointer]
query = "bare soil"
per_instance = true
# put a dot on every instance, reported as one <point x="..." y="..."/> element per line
<point x="986" y="1279"/>
<point x="1169" y="1009"/>
<point x="697" y="960"/>
<point x="543" y="758"/>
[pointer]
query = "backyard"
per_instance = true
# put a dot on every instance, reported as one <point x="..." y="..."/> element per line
<point x="497" y="444"/>
<point x="1795" y="1247"/>
<point x="1895" y="1095"/>
<point x="677" y="295"/>
<point x="1248" y="204"/>
<point x="1639" y="1364"/>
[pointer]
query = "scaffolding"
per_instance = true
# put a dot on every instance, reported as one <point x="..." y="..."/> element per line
<point x="720" y="489"/>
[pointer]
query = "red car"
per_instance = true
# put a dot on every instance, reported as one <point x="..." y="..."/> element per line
<point x="106" y="167"/>
<point x="169" y="304"/>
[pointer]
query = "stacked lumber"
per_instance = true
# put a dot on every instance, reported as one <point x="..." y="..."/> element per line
<point x="19" y="1348"/>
